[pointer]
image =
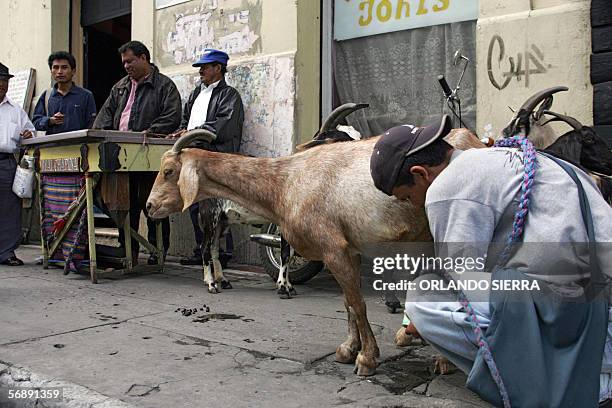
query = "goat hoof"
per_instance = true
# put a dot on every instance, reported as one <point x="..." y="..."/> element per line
<point x="442" y="366"/>
<point x="225" y="284"/>
<point x="284" y="293"/>
<point x="365" y="366"/>
<point x="213" y="289"/>
<point x="292" y="291"/>
<point x="402" y="339"/>
<point x="345" y="354"/>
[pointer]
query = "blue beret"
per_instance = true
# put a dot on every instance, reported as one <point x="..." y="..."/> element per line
<point x="211" y="55"/>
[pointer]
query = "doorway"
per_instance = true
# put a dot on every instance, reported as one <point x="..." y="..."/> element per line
<point x="103" y="34"/>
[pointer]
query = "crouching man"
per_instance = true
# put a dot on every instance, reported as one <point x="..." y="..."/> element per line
<point x="531" y="352"/>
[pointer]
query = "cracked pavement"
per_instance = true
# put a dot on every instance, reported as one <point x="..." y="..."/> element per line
<point x="123" y="342"/>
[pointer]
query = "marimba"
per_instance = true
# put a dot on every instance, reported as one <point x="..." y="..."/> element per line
<point x="105" y="159"/>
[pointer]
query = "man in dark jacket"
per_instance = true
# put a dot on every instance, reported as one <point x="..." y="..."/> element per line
<point x="215" y="106"/>
<point x="143" y="101"/>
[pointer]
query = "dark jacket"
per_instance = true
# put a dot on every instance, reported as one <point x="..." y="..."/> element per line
<point x="224" y="117"/>
<point x="157" y="106"/>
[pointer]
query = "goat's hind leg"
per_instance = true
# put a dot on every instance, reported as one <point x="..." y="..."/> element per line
<point x="217" y="267"/>
<point x="284" y="287"/>
<point x="347" y="351"/>
<point x="207" y="265"/>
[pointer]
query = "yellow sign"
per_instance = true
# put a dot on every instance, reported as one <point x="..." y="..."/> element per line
<point x="360" y="18"/>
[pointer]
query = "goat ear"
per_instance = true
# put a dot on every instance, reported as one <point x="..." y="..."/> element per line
<point x="188" y="183"/>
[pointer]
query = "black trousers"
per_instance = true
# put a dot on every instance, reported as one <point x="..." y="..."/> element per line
<point x="10" y="216"/>
<point x="140" y="188"/>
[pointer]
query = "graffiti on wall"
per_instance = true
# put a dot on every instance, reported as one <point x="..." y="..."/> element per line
<point x="186" y="30"/>
<point x="267" y="88"/>
<point x="527" y="63"/>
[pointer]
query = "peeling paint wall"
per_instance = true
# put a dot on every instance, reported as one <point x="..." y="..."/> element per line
<point x="266" y="80"/>
<point x="524" y="46"/>
<point x="185" y="30"/>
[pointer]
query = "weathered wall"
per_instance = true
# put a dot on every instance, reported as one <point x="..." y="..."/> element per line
<point x="49" y="19"/>
<point x="524" y="46"/>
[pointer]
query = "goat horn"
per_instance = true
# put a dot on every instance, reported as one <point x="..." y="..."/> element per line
<point x="573" y="122"/>
<point x="533" y="101"/>
<point x="522" y="115"/>
<point x="190" y="136"/>
<point x="339" y="114"/>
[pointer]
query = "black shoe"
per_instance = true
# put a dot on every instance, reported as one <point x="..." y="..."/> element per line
<point x="192" y="260"/>
<point x="606" y="403"/>
<point x="153" y="260"/>
<point x="12" y="261"/>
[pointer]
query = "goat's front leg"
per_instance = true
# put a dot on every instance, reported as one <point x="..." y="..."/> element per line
<point x="284" y="287"/>
<point x="346" y="271"/>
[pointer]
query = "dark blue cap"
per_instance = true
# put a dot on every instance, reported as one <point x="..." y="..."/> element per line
<point x="211" y="55"/>
<point x="392" y="148"/>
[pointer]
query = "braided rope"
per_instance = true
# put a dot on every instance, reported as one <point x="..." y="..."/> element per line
<point x="529" y="164"/>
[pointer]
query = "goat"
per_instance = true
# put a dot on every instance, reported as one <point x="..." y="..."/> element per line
<point x="323" y="199"/>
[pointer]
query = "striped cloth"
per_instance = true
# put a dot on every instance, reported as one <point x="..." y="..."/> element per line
<point x="59" y="192"/>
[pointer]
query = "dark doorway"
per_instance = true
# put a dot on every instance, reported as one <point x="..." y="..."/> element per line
<point x="102" y="67"/>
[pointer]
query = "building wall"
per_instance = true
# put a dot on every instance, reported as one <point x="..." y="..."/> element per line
<point x="22" y="50"/>
<point x="552" y="41"/>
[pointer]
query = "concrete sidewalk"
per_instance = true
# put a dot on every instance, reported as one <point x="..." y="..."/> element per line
<point x="123" y="343"/>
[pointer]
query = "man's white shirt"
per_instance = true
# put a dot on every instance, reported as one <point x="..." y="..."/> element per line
<point x="200" y="106"/>
<point x="13" y="121"/>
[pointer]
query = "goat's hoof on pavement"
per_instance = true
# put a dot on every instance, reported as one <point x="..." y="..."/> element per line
<point x="393" y="305"/>
<point x="402" y="339"/>
<point x="365" y="366"/>
<point x="442" y="366"/>
<point x="345" y="354"/>
<point x="225" y="284"/>
<point x="213" y="289"/>
<point x="286" y="294"/>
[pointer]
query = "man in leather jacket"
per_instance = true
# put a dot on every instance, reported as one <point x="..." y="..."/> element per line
<point x="143" y="101"/>
<point x="215" y="106"/>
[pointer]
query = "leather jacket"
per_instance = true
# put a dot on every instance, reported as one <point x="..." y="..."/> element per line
<point x="156" y="108"/>
<point x="224" y="117"/>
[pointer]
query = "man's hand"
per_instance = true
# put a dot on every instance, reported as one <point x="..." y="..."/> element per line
<point x="26" y="134"/>
<point x="176" y="135"/>
<point x="57" y="119"/>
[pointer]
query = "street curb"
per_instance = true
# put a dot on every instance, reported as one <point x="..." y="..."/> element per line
<point x="74" y="396"/>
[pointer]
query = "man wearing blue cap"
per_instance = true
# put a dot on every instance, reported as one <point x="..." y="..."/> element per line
<point x="217" y="107"/>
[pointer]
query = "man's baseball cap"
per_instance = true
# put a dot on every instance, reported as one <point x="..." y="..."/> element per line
<point x="398" y="143"/>
<point x="212" y="55"/>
